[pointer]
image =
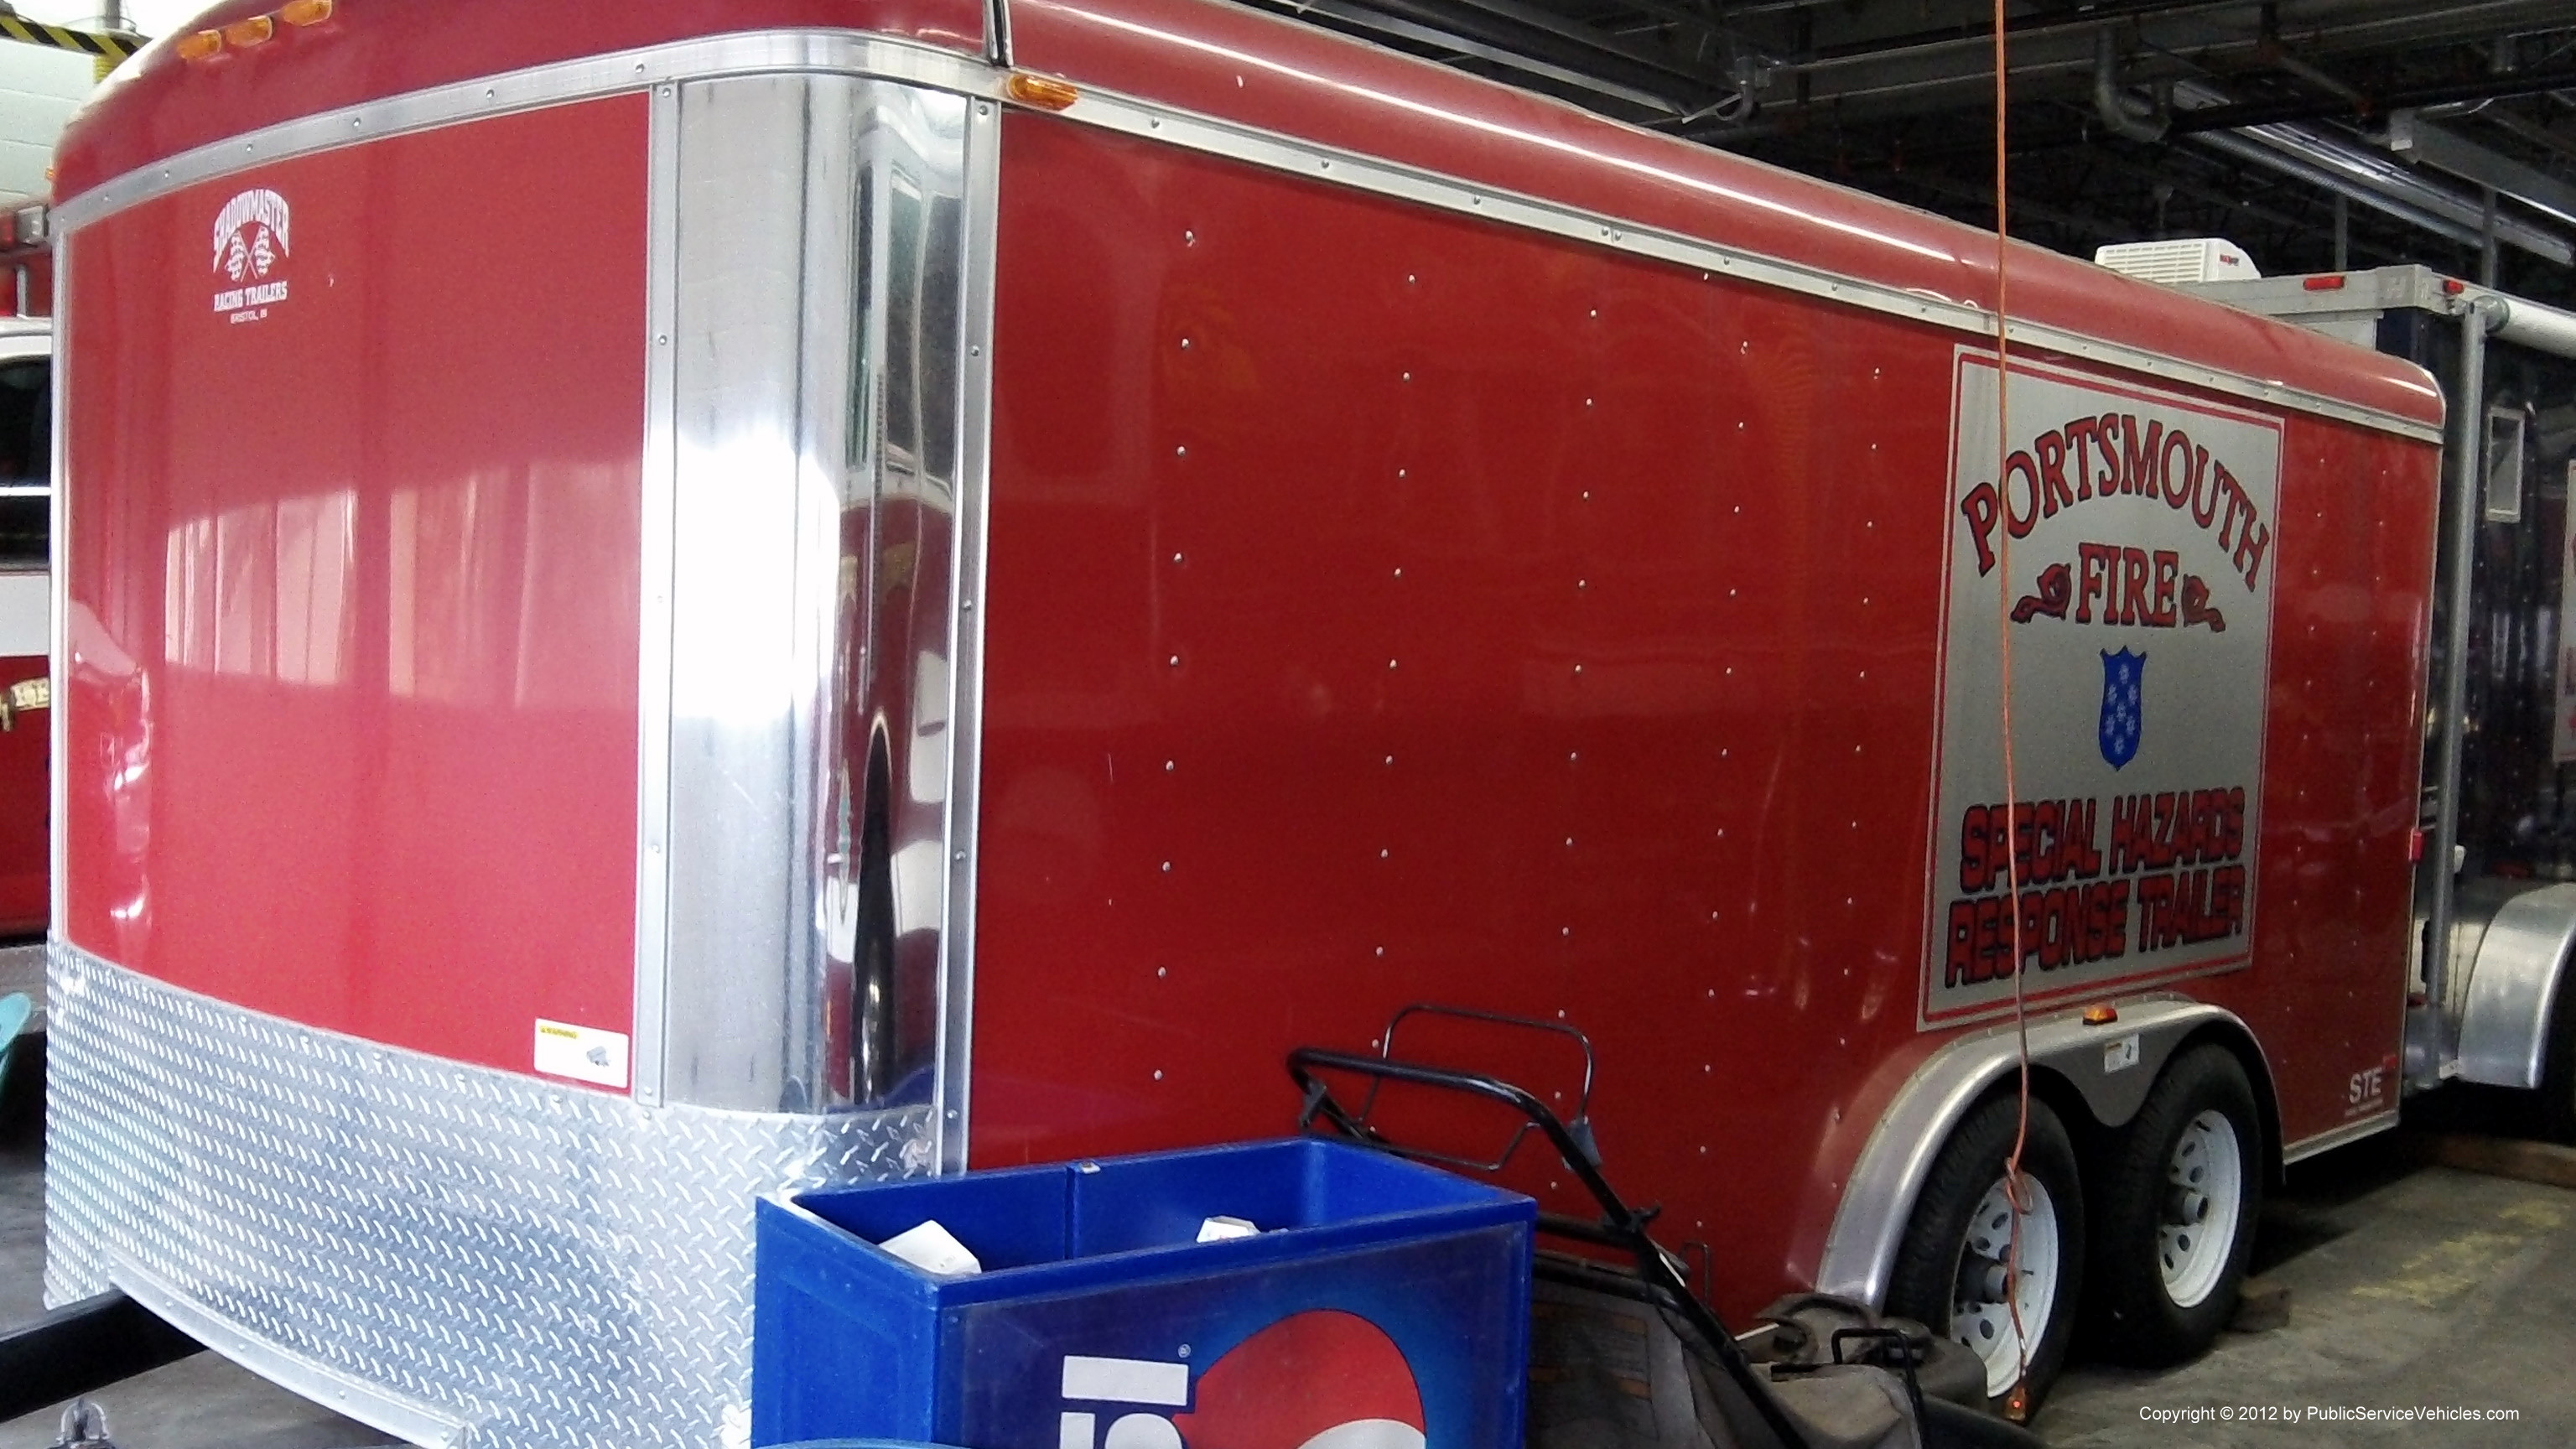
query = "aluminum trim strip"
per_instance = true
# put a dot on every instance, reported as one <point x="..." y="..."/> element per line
<point x="653" y="673"/>
<point x="1870" y="1221"/>
<point x="905" y="61"/>
<point x="2348" y="1133"/>
<point x="414" y="1423"/>
<point x="1151" y="121"/>
<point x="766" y="52"/>
<point x="966" y="630"/>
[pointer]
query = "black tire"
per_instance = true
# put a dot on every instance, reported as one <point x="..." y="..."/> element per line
<point x="2136" y="1317"/>
<point x="1934" y="1264"/>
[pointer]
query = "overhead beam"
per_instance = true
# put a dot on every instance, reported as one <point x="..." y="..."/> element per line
<point x="1455" y="45"/>
<point x="2419" y="140"/>
<point x="2484" y="88"/>
<point x="1927" y="74"/>
<point x="2381" y="185"/>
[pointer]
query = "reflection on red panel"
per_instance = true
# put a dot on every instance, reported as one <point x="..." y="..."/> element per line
<point x="25" y="802"/>
<point x="1273" y="74"/>
<point x="352" y="561"/>
<point x="1466" y="616"/>
<point x="2345" y="745"/>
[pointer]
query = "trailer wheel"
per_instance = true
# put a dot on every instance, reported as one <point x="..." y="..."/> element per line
<point x="1951" y="1267"/>
<point x="2179" y="1190"/>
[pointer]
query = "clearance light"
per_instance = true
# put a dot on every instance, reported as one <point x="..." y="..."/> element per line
<point x="2333" y="283"/>
<point x="254" y="30"/>
<point x="2101" y="1015"/>
<point x="1045" y="92"/>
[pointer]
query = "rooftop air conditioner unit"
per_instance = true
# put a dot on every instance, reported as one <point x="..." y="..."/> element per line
<point x="2175" y="263"/>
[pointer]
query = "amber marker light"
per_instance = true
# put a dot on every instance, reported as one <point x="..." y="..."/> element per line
<point x="203" y="45"/>
<point x="246" y="33"/>
<point x="2101" y="1015"/>
<point x="1042" y="91"/>
<point x="305" y="12"/>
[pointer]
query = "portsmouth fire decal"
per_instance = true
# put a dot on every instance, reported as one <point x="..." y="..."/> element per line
<point x="251" y="243"/>
<point x="2138" y="532"/>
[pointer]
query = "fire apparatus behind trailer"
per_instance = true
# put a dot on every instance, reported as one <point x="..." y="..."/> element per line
<point x="26" y="598"/>
<point x="662" y="601"/>
<point x="2498" y="802"/>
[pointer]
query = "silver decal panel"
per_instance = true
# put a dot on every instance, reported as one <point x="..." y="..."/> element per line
<point x="2139" y="534"/>
<point x="544" y="1264"/>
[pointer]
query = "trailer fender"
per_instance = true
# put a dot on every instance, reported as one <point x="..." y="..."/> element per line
<point x="2110" y="1066"/>
<point x="2512" y="987"/>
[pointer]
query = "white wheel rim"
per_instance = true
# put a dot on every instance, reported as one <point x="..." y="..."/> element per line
<point x="2204" y="1194"/>
<point x="1980" y="1317"/>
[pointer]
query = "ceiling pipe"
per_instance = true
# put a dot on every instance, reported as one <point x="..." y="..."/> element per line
<point x="2366" y="179"/>
<point x="2525" y="83"/>
<point x="2125" y="114"/>
<point x="2365" y="176"/>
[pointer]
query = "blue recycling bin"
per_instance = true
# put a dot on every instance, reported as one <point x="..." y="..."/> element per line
<point x="1383" y="1299"/>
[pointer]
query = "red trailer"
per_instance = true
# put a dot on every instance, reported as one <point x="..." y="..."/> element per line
<point x="662" y="601"/>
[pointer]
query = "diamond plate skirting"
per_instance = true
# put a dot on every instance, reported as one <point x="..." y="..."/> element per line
<point x="452" y="1252"/>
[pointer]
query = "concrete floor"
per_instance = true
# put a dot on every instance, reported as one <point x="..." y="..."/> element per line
<point x="2409" y="1287"/>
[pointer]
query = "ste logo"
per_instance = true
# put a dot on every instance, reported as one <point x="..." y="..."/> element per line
<point x="251" y="243"/>
<point x="2124" y="705"/>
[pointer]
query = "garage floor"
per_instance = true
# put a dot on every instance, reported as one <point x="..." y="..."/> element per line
<point x="2411" y="1287"/>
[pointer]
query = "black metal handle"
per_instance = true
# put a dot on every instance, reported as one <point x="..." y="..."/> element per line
<point x="1621" y="1227"/>
<point x="1576" y="1150"/>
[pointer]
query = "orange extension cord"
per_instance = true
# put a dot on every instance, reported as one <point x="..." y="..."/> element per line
<point x="2017" y="1405"/>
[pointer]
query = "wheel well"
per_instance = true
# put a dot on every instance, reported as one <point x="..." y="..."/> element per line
<point x="2051" y="1086"/>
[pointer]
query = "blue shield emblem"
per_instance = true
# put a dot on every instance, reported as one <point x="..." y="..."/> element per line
<point x="2124" y="705"/>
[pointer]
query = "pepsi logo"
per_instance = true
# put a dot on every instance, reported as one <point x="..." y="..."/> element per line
<point x="1324" y="1379"/>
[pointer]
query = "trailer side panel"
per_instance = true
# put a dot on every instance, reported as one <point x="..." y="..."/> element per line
<point x="364" y="661"/>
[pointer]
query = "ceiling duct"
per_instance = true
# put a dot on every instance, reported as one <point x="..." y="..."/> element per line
<point x="2123" y="111"/>
<point x="2373" y="180"/>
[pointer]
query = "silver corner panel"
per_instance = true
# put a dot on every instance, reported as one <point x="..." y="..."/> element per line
<point x="818" y="334"/>
<point x="451" y="1253"/>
